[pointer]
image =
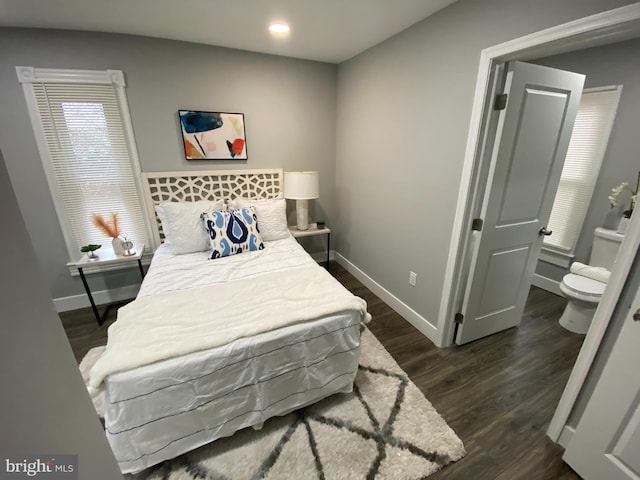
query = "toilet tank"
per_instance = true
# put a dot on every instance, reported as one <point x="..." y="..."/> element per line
<point x="606" y="244"/>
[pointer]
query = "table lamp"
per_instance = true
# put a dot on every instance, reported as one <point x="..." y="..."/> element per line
<point x="301" y="187"/>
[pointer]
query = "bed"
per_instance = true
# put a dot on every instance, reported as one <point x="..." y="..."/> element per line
<point x="211" y="346"/>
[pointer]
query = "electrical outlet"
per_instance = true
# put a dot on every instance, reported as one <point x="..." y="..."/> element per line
<point x="412" y="278"/>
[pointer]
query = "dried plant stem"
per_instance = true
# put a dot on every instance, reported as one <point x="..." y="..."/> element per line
<point x="110" y="228"/>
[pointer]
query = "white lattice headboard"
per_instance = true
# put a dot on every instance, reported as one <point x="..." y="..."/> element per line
<point x="190" y="186"/>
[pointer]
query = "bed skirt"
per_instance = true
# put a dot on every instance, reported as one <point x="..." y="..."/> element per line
<point x="163" y="410"/>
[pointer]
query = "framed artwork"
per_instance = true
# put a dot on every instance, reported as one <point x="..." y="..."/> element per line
<point x="213" y="135"/>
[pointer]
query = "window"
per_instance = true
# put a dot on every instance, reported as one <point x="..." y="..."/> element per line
<point x="582" y="165"/>
<point x="80" y="119"/>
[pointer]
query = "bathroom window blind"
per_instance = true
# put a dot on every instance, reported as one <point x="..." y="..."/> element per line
<point x="582" y="165"/>
<point x="88" y="160"/>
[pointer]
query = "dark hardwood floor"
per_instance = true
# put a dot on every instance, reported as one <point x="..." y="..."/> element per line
<point x="498" y="393"/>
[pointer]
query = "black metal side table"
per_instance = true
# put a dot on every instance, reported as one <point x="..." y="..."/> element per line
<point x="106" y="256"/>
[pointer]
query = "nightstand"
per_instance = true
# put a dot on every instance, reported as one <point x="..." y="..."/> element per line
<point x="314" y="230"/>
<point x="106" y="256"/>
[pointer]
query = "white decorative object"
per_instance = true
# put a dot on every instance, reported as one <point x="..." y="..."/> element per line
<point x="623" y="225"/>
<point x="118" y="248"/>
<point x="301" y="187"/>
<point x="128" y="247"/>
<point x="271" y="213"/>
<point x="207" y="185"/>
<point x="183" y="229"/>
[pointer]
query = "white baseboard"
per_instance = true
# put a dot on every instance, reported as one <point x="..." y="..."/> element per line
<point x="101" y="297"/>
<point x="404" y="310"/>
<point x="322" y="256"/>
<point x="547" y="284"/>
<point x="565" y="436"/>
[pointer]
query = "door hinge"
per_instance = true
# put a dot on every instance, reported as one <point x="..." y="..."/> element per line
<point x="500" y="102"/>
<point x="458" y="317"/>
<point x="476" y="224"/>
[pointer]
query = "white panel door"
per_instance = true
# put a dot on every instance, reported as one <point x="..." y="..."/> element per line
<point x="606" y="443"/>
<point x="531" y="142"/>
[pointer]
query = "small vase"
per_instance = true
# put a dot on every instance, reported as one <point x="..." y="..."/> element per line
<point x="623" y="225"/>
<point x="117" y="246"/>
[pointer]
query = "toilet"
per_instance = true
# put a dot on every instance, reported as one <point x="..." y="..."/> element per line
<point x="584" y="293"/>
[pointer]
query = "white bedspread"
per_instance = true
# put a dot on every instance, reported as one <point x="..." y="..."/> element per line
<point x="148" y="329"/>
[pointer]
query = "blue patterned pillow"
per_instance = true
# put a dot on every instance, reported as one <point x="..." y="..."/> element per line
<point x="232" y="232"/>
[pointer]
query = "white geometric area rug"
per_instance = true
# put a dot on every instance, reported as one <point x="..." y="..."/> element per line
<point x="384" y="429"/>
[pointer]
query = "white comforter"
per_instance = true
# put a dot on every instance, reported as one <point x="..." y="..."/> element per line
<point x="166" y="325"/>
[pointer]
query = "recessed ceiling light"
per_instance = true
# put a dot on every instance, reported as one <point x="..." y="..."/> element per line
<point x="279" y="28"/>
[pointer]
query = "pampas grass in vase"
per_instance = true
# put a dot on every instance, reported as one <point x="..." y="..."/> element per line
<point x="111" y="229"/>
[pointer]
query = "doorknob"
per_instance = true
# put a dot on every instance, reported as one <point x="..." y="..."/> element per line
<point x="545" y="232"/>
<point x="636" y="316"/>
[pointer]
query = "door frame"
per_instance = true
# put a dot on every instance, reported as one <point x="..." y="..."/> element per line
<point x="600" y="29"/>
<point x="517" y="236"/>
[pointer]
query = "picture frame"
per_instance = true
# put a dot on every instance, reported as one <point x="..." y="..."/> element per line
<point x="213" y="135"/>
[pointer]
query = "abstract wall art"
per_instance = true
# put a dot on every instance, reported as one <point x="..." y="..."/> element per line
<point x="213" y="135"/>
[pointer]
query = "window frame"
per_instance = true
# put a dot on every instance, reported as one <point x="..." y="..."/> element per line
<point x="560" y="256"/>
<point x="27" y="76"/>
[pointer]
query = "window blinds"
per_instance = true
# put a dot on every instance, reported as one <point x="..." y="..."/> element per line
<point x="582" y="165"/>
<point x="89" y="160"/>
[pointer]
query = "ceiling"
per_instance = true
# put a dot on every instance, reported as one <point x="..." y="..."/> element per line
<point x="324" y="30"/>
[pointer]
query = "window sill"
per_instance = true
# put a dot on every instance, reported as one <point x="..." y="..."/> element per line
<point x="555" y="257"/>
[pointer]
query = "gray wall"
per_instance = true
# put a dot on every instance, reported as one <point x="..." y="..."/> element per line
<point x="44" y="407"/>
<point x="402" y="121"/>
<point x="289" y="108"/>
<point x="398" y="122"/>
<point x="403" y="116"/>
<point x="608" y="65"/>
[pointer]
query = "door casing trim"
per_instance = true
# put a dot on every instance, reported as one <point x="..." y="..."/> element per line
<point x="600" y="29"/>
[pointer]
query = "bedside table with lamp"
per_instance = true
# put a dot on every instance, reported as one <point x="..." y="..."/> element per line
<point x="303" y="186"/>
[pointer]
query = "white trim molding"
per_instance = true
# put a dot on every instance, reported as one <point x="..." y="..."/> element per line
<point x="547" y="284"/>
<point x="27" y="76"/>
<point x="62" y="75"/>
<point x="191" y="186"/>
<point x="561" y="259"/>
<point x="600" y="29"/>
<point x="599" y="325"/>
<point x="566" y="436"/>
<point x="405" y="311"/>
<point x="101" y="297"/>
<point x="321" y="257"/>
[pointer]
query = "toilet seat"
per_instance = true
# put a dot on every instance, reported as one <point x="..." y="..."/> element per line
<point x="583" y="286"/>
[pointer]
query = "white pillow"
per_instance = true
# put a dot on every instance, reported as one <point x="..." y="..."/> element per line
<point x="271" y="213"/>
<point x="183" y="228"/>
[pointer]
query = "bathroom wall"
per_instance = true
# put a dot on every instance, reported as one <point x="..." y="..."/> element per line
<point x="614" y="64"/>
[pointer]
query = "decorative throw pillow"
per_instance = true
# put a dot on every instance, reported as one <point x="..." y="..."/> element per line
<point x="271" y="213"/>
<point x="232" y="232"/>
<point x="182" y="226"/>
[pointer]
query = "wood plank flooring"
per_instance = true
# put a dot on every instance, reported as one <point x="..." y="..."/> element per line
<point x="498" y="393"/>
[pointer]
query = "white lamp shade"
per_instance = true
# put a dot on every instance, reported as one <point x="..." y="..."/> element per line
<point x="301" y="185"/>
